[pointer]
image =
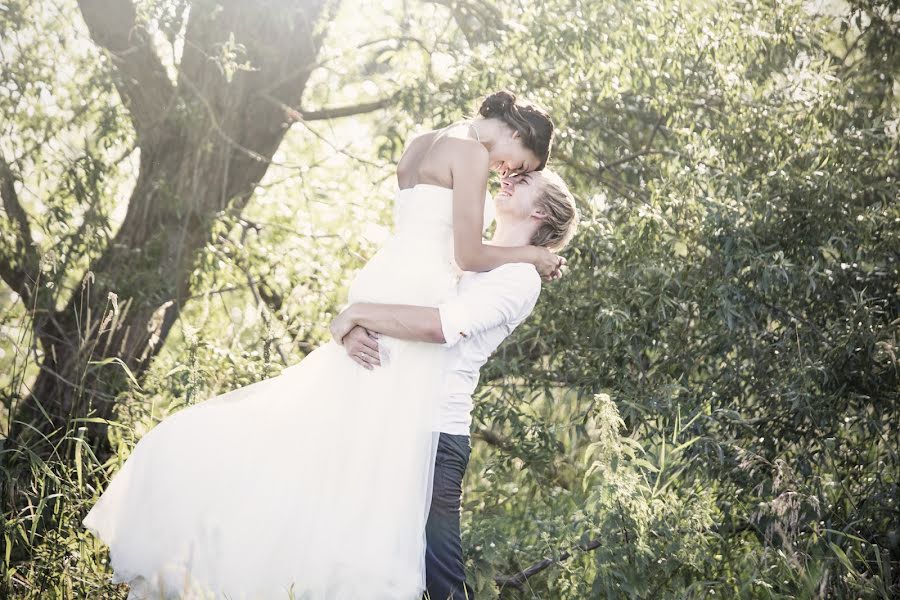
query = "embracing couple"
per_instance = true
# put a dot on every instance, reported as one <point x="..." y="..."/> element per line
<point x="340" y="479"/>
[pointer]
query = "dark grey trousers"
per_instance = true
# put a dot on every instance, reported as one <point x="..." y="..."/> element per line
<point x="445" y="575"/>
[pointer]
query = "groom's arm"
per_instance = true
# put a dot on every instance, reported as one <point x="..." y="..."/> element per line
<point x="361" y="343"/>
<point x="367" y="321"/>
<point x="505" y="295"/>
<point x="403" y="321"/>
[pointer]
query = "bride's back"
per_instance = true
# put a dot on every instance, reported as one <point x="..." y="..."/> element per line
<point x="416" y="264"/>
<point x="428" y="156"/>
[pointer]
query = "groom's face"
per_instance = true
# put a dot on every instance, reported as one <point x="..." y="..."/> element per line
<point x="517" y="196"/>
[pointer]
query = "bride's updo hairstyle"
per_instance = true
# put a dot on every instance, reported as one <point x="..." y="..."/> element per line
<point x="532" y="122"/>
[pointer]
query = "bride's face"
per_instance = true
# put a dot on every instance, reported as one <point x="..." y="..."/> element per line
<point x="510" y="157"/>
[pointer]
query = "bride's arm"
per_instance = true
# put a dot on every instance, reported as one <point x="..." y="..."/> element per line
<point x="470" y="167"/>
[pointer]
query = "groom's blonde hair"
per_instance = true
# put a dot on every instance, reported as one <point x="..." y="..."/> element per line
<point x="557" y="229"/>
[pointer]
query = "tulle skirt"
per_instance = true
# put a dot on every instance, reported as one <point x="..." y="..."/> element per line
<point x="314" y="484"/>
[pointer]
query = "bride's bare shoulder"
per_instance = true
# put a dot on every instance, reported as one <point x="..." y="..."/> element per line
<point x="419" y="139"/>
<point x="448" y="139"/>
<point x="451" y="149"/>
<point x="415" y="148"/>
<point x="433" y="155"/>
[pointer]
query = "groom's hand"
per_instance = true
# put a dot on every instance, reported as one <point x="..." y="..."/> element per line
<point x="362" y="346"/>
<point x="341" y="325"/>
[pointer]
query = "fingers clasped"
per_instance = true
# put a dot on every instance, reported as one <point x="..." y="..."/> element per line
<point x="558" y="271"/>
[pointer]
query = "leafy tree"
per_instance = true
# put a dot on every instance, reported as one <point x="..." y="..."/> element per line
<point x="734" y="292"/>
<point x="205" y="131"/>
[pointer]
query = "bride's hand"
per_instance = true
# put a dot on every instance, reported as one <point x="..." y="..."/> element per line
<point x="548" y="264"/>
<point x="341" y="326"/>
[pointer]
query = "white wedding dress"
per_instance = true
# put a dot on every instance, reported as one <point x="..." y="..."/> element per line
<point x="316" y="481"/>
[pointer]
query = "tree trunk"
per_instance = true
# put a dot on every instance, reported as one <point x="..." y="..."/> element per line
<point x="205" y="142"/>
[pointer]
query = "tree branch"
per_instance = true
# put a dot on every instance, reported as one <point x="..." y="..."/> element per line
<point x="492" y="438"/>
<point x="603" y="176"/>
<point x="142" y="80"/>
<point x="496" y="440"/>
<point x="519" y="578"/>
<point x="15" y="269"/>
<point x="331" y="113"/>
<point x="479" y="21"/>
<point x="346" y="111"/>
<point x="621" y="161"/>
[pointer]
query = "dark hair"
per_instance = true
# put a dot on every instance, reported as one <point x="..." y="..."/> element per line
<point x="532" y="122"/>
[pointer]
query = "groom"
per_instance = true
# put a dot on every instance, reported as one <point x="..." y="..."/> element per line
<point x="533" y="208"/>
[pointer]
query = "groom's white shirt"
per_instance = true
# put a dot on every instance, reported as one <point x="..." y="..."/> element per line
<point x="487" y="307"/>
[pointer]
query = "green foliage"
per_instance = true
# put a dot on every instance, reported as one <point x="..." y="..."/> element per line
<point x="738" y="272"/>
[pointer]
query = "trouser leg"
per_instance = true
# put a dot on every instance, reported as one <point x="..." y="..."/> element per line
<point x="444" y="572"/>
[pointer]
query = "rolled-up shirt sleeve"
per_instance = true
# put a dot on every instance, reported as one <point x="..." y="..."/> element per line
<point x="505" y="295"/>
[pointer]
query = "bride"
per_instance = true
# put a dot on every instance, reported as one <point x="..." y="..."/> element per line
<point x="316" y="484"/>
